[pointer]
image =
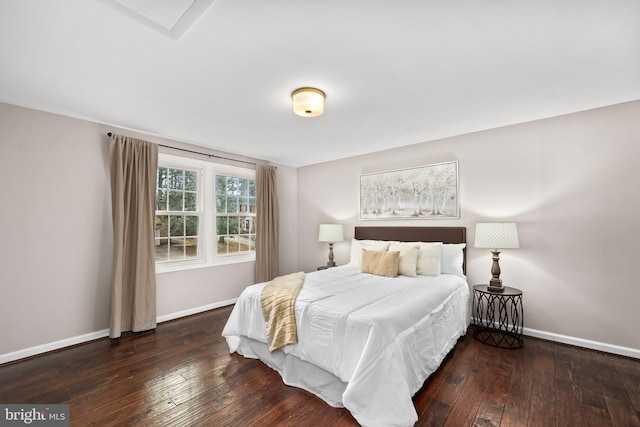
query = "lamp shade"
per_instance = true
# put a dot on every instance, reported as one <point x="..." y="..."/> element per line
<point x="308" y="102"/>
<point x="330" y="233"/>
<point x="496" y="235"/>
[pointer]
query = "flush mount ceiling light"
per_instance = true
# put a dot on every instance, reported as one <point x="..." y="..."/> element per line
<point x="308" y="102"/>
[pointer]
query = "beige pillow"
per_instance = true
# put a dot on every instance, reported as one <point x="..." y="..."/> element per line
<point x="429" y="259"/>
<point x="408" y="261"/>
<point x="380" y="263"/>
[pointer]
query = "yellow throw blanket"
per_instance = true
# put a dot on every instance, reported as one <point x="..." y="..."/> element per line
<point x="278" y="299"/>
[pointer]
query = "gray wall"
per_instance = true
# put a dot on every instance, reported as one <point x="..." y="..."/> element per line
<point x="56" y="240"/>
<point x="571" y="184"/>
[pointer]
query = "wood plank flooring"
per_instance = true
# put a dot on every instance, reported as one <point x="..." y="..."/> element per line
<point x="183" y="375"/>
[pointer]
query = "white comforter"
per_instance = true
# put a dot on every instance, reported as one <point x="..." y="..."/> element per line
<point x="365" y="342"/>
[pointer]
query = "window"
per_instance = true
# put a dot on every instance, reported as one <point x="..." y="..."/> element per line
<point x="235" y="215"/>
<point x="205" y="214"/>
<point x="177" y="214"/>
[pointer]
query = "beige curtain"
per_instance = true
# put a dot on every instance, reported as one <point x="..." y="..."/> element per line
<point x="133" y="174"/>
<point x="267" y="219"/>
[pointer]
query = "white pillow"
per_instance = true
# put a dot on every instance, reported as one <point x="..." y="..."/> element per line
<point x="408" y="262"/>
<point x="371" y="245"/>
<point x="452" y="258"/>
<point x="429" y="259"/>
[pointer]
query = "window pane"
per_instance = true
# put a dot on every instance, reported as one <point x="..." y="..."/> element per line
<point x="191" y="248"/>
<point x="221" y="184"/>
<point x="190" y="202"/>
<point x="233" y="185"/>
<point x="161" y="226"/>
<point x="245" y="226"/>
<point x="162" y="250"/>
<point x="176" y="226"/>
<point x="252" y="188"/>
<point x="161" y="178"/>
<point x="233" y="243"/>
<point x="234" y="224"/>
<point x="244" y="204"/>
<point x="176" y="250"/>
<point x="191" y="226"/>
<point x="244" y="242"/>
<point x="160" y="240"/>
<point x="222" y="223"/>
<point x="221" y="204"/>
<point x="232" y="204"/>
<point x="222" y="245"/>
<point x="190" y="180"/>
<point x="175" y="200"/>
<point x="243" y="186"/>
<point x="161" y="200"/>
<point x="252" y="204"/>
<point x="176" y="179"/>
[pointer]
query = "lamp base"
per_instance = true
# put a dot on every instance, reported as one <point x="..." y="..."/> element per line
<point x="495" y="286"/>
<point x="331" y="263"/>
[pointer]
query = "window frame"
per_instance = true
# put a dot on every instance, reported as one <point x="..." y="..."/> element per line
<point x="207" y="233"/>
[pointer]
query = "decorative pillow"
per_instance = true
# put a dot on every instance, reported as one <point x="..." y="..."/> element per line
<point x="380" y="263"/>
<point x="452" y="258"/>
<point x="430" y="259"/>
<point x="371" y="245"/>
<point x="408" y="261"/>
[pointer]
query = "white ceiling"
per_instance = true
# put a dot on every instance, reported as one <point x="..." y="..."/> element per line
<point x="395" y="72"/>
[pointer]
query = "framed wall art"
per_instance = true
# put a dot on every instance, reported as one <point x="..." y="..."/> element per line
<point x="425" y="192"/>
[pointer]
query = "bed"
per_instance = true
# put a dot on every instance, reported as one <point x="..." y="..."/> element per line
<point x="367" y="342"/>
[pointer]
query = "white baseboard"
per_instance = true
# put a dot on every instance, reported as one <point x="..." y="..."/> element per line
<point x="56" y="345"/>
<point x="196" y="310"/>
<point x="579" y="342"/>
<point x="39" y="349"/>
<point x="43" y="348"/>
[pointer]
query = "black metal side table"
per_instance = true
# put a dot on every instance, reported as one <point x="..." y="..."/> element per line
<point x="498" y="317"/>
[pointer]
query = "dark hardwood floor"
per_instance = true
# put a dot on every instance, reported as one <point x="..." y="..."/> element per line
<point x="183" y="375"/>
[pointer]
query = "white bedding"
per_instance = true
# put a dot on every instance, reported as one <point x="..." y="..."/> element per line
<point x="365" y="342"/>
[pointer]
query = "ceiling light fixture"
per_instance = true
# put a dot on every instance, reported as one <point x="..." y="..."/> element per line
<point x="308" y="101"/>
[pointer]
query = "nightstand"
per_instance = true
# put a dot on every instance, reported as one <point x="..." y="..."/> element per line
<point x="498" y="317"/>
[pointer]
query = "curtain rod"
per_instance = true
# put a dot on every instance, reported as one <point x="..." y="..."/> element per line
<point x="202" y="154"/>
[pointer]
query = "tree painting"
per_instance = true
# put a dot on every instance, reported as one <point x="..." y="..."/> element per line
<point x="420" y="193"/>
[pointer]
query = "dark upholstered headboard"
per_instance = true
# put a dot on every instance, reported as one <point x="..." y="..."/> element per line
<point x="415" y="234"/>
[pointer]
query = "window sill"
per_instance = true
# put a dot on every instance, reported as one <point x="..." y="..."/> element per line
<point x="193" y="265"/>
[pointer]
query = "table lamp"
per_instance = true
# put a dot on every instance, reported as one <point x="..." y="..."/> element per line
<point x="495" y="236"/>
<point x="330" y="233"/>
